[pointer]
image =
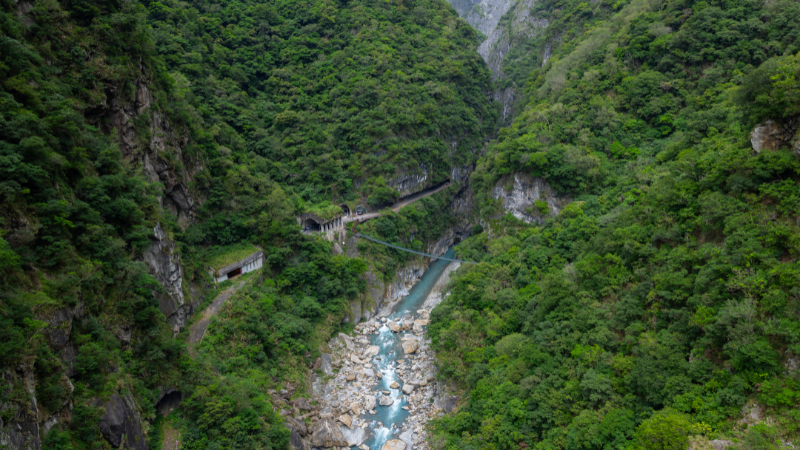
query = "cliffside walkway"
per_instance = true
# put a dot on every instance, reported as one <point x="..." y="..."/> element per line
<point x="396" y="247"/>
<point x="198" y="329"/>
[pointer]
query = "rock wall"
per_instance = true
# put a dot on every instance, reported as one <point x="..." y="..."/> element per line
<point x="161" y="156"/>
<point x="506" y="24"/>
<point x="147" y="141"/>
<point x="165" y="266"/>
<point x="407" y="183"/>
<point x="518" y="194"/>
<point x="772" y="135"/>
<point x="120" y="423"/>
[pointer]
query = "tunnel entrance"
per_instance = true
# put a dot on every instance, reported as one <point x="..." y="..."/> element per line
<point x="169" y="402"/>
<point x="234" y="273"/>
<point x="310" y="225"/>
<point x="361" y="210"/>
<point x="345" y="209"/>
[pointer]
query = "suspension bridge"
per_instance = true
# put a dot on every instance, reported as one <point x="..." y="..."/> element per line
<point x="397" y="247"/>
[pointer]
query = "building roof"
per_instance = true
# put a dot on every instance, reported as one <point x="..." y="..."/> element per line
<point x="241" y="263"/>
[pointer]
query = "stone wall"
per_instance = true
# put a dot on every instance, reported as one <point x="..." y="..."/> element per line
<point x="518" y="194"/>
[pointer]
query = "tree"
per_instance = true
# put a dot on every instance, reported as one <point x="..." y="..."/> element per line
<point x="666" y="430"/>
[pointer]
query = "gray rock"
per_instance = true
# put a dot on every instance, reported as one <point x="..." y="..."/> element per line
<point x="408" y="388"/>
<point x="302" y="404"/>
<point x="121" y="425"/>
<point x="370" y="402"/>
<point x="449" y="404"/>
<point x="59" y="327"/>
<point x="410" y="346"/>
<point x="297" y="442"/>
<point x="394" y="444"/>
<point x="165" y="265"/>
<point x="325" y="364"/>
<point x="768" y="135"/>
<point x="719" y="444"/>
<point x="408" y="438"/>
<point x="326" y="433"/>
<point x="525" y="191"/>
<point x="347" y="341"/>
<point x="296" y="425"/>
<point x="385" y="400"/>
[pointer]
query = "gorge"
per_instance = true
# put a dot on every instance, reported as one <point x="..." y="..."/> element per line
<point x="625" y="175"/>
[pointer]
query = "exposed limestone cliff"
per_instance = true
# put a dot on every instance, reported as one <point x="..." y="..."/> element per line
<point x="157" y="148"/>
<point x="506" y="24"/>
<point x="519" y="193"/>
<point x="772" y="135"/>
<point x="407" y="183"/>
<point x="147" y="141"/>
<point x="121" y="424"/>
<point x="165" y="266"/>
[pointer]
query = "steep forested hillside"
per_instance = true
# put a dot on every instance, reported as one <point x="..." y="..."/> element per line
<point x="133" y="133"/>
<point x="662" y="304"/>
<point x="330" y="94"/>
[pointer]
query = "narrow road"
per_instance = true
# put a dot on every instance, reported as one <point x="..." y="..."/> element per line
<point x="198" y="329"/>
<point x="399" y="205"/>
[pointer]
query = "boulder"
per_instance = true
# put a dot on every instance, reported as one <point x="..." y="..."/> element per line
<point x="355" y="408"/>
<point x="385" y="400"/>
<point x="347" y="341"/>
<point x="325" y="364"/>
<point x="394" y="444"/>
<point x="346" y="420"/>
<point x="370" y="402"/>
<point x="408" y="388"/>
<point x="394" y="385"/>
<point x="301" y="404"/>
<point x="363" y="447"/>
<point x="350" y="376"/>
<point x="410" y="346"/>
<point x="371" y="351"/>
<point x="297" y="443"/>
<point x="296" y="425"/>
<point x="394" y="327"/>
<point x="369" y="373"/>
<point x="327" y="434"/>
<point x="355" y="359"/>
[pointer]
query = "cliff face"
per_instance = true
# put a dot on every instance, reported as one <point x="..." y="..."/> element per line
<point x="157" y="149"/>
<point x="507" y="24"/>
<point x="519" y="193"/>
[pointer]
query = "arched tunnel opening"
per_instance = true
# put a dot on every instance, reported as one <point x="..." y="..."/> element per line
<point x="345" y="209"/>
<point x="310" y="225"/>
<point x="169" y="402"/>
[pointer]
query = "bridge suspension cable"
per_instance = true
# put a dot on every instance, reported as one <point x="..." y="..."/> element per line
<point x="412" y="251"/>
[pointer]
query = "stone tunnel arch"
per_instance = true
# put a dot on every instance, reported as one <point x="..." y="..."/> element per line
<point x="345" y="208"/>
<point x="309" y="224"/>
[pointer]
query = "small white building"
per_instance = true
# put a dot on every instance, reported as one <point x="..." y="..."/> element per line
<point x="249" y="264"/>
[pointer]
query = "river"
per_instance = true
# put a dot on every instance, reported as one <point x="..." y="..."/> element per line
<point x="387" y="423"/>
<point x="379" y="385"/>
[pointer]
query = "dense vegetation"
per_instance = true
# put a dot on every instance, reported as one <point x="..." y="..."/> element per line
<point x="665" y="296"/>
<point x="331" y="95"/>
<point x="277" y="107"/>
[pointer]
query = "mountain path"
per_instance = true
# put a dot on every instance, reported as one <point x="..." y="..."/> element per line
<point x="198" y="329"/>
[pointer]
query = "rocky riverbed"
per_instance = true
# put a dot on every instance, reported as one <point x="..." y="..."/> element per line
<point x="378" y="389"/>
